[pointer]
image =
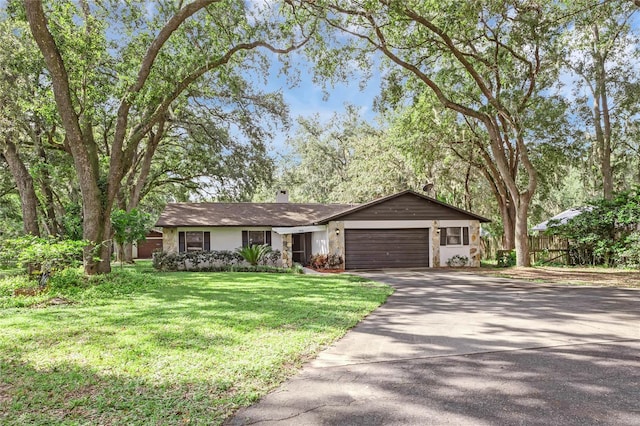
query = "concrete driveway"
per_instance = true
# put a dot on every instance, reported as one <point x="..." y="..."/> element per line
<point x="454" y="348"/>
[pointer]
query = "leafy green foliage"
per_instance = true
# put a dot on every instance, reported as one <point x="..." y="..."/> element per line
<point x="344" y="159"/>
<point x="606" y="232"/>
<point x="71" y="285"/>
<point x="129" y="227"/>
<point x="214" y="261"/>
<point x="173" y="348"/>
<point x="254" y="253"/>
<point x="505" y="258"/>
<point x="47" y="255"/>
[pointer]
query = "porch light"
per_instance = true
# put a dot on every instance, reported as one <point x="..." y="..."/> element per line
<point x="337" y="232"/>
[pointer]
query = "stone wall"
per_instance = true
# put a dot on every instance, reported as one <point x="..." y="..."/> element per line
<point x="435" y="244"/>
<point x="287" y="250"/>
<point x="474" y="243"/>
<point x="336" y="239"/>
<point x="170" y="240"/>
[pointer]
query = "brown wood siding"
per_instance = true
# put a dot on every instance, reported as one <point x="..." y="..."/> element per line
<point x="386" y="248"/>
<point x="407" y="207"/>
<point x="146" y="248"/>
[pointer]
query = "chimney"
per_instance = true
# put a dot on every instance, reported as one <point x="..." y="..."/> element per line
<point x="282" y="196"/>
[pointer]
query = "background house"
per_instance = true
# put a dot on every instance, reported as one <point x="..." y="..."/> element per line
<point x="403" y="230"/>
<point x="561" y="218"/>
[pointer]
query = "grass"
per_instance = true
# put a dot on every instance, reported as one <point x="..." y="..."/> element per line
<point x="181" y="348"/>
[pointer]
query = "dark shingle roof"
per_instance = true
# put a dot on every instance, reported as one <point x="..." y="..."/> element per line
<point x="246" y="214"/>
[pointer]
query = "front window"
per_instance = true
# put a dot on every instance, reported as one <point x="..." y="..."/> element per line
<point x="256" y="238"/>
<point x="454" y="236"/>
<point x="194" y="240"/>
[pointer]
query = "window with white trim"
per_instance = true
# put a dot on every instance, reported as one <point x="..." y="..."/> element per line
<point x="454" y="236"/>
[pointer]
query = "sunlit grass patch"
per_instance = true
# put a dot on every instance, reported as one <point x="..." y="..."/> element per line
<point x="183" y="347"/>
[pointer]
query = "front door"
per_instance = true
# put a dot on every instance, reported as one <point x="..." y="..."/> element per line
<point x="301" y="248"/>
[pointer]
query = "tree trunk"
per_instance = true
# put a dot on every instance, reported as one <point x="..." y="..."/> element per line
<point x="51" y="221"/>
<point x="519" y="198"/>
<point x="508" y="214"/>
<point x="128" y="253"/>
<point x="601" y="117"/>
<point x="522" y="233"/>
<point x="24" y="182"/>
<point x="97" y="256"/>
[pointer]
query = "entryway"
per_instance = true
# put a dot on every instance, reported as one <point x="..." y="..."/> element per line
<point x="301" y="248"/>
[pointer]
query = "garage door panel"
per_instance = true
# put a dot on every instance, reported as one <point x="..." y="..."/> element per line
<point x="386" y="248"/>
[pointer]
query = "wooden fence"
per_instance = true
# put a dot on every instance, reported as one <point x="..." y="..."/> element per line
<point x="542" y="248"/>
<point x="549" y="248"/>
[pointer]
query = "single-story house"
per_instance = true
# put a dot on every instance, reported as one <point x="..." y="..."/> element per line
<point x="403" y="230"/>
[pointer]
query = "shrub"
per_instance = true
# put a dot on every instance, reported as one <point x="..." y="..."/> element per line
<point x="254" y="254"/>
<point x="129" y="227"/>
<point x="297" y="269"/>
<point x="506" y="258"/>
<point x="217" y="260"/>
<point x="272" y="258"/>
<point x="603" y="234"/>
<point x="73" y="285"/>
<point x="9" y="284"/>
<point x="43" y="256"/>
<point x="325" y="261"/>
<point x="457" y="261"/>
<point x="629" y="254"/>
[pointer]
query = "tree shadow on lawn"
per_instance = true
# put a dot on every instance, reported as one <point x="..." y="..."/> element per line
<point x="73" y="394"/>
<point x="264" y="301"/>
<point x="165" y="353"/>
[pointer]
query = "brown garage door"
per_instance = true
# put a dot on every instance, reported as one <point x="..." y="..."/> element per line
<point x="386" y="248"/>
<point x="147" y="247"/>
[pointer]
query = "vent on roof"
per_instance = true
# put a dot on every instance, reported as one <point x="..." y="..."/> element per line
<point x="282" y="196"/>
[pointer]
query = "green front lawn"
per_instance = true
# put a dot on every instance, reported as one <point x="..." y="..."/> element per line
<point x="190" y="349"/>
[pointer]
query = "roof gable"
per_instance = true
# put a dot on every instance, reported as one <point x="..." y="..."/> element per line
<point x="405" y="205"/>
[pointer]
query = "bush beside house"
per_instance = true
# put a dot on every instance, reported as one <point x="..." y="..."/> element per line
<point x="217" y="261"/>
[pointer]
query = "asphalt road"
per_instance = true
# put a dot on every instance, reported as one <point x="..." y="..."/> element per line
<point x="454" y="348"/>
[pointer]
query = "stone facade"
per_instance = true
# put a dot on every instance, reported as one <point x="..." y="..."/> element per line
<point x="287" y="251"/>
<point x="435" y="244"/>
<point x="474" y="243"/>
<point x="170" y="240"/>
<point x="336" y="239"/>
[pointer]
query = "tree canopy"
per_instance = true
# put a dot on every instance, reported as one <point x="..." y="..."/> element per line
<point x="511" y="109"/>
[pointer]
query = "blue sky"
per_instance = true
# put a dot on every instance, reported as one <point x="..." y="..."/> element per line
<point x="308" y="98"/>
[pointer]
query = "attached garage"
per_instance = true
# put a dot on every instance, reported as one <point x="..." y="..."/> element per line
<point x="146" y="248"/>
<point x="386" y="248"/>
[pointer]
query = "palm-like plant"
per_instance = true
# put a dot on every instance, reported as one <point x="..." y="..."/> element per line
<point x="254" y="254"/>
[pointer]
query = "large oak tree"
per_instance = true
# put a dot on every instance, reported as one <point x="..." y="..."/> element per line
<point x="486" y="61"/>
<point x="124" y="65"/>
